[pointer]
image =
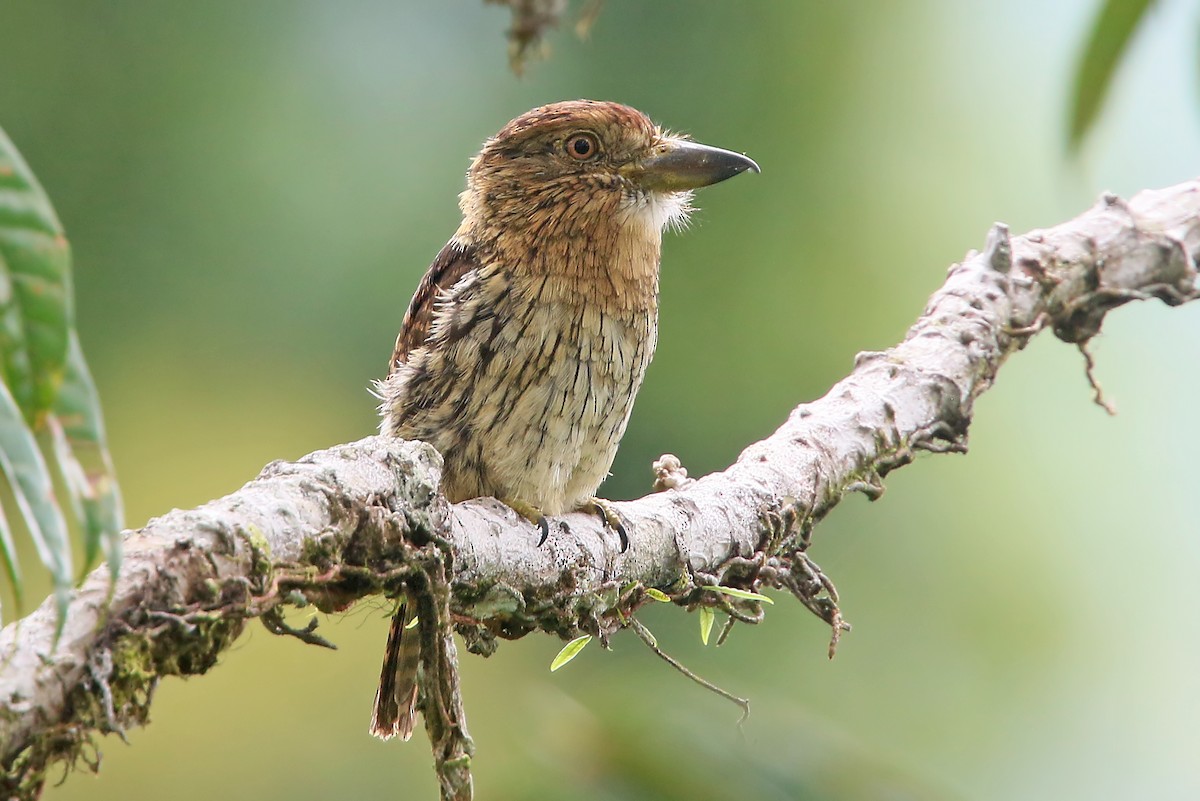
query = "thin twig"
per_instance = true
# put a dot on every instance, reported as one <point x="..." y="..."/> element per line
<point x="652" y="644"/>
<point x="728" y="627"/>
<point x="1089" y="366"/>
<point x="272" y="619"/>
<point x="1038" y="325"/>
<point x="100" y="668"/>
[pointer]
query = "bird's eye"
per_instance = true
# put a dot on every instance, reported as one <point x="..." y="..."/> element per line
<point x="582" y="146"/>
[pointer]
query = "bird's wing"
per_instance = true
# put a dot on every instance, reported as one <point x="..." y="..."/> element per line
<point x="455" y="260"/>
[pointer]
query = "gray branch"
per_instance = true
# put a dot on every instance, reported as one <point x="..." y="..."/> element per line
<point x="365" y="518"/>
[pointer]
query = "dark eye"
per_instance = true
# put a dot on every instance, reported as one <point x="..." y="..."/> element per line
<point x="582" y="146"/>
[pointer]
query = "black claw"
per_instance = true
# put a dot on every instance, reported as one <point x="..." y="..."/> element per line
<point x="544" y="527"/>
<point x="611" y="520"/>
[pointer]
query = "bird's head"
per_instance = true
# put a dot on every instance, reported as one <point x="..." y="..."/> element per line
<point x="570" y="167"/>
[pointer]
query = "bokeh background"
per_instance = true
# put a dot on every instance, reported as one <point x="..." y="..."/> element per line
<point x="254" y="189"/>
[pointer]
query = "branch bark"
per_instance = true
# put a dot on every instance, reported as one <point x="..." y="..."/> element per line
<point x="365" y="518"/>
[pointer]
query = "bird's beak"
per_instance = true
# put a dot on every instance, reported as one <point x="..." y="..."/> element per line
<point x="677" y="165"/>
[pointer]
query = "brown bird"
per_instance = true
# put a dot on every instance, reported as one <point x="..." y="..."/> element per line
<point x="527" y="339"/>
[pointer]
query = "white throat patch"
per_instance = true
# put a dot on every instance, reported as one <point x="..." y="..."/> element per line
<point x="659" y="211"/>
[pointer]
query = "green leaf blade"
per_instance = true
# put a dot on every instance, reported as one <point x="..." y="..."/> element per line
<point x="27" y="474"/>
<point x="81" y="451"/>
<point x="36" y="306"/>
<point x="658" y="595"/>
<point x="707" y="618"/>
<point x="12" y="567"/>
<point x="46" y="386"/>
<point x="744" y="594"/>
<point x="570" y="651"/>
<point x="1107" y="43"/>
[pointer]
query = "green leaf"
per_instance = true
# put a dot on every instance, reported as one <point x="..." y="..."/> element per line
<point x="46" y="385"/>
<point x="707" y="618"/>
<point x="35" y="321"/>
<point x="25" y="469"/>
<point x="412" y="624"/>
<point x="36" y="306"/>
<point x="80" y="448"/>
<point x="8" y="551"/>
<point x="570" y="651"/>
<point x="736" y="593"/>
<point x="658" y="595"/>
<point x="1107" y="43"/>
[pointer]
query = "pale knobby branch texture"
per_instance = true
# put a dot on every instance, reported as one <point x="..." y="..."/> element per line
<point x="365" y="518"/>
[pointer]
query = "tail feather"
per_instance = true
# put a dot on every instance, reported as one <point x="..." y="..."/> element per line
<point x="396" y="699"/>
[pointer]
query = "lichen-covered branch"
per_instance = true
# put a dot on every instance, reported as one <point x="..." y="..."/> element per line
<point x="365" y="518"/>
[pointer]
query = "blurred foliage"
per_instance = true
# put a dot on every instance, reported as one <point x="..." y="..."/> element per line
<point x="1107" y="43"/>
<point x="46" y="386"/>
<point x="253" y="191"/>
<point x="533" y="19"/>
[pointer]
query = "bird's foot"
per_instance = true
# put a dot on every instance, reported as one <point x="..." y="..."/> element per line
<point x="611" y="518"/>
<point x="531" y="513"/>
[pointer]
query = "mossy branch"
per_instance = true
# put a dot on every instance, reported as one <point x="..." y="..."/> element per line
<point x="365" y="518"/>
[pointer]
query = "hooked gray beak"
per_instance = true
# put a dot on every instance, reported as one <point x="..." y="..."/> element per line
<point x="678" y="165"/>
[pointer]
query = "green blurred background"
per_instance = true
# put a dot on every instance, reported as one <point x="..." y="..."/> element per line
<point x="254" y="189"/>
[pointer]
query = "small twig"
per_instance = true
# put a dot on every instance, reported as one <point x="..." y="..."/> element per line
<point x="171" y="617"/>
<point x="939" y="438"/>
<point x="100" y="668"/>
<point x="936" y="446"/>
<point x="836" y="626"/>
<point x="652" y="644"/>
<point x="1037" y="326"/>
<point x="805" y="580"/>
<point x="873" y="491"/>
<point x="272" y="619"/>
<point x="728" y="627"/>
<point x="741" y="616"/>
<point x="1089" y="363"/>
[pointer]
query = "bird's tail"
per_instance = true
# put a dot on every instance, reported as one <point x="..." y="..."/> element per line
<point x="396" y="699"/>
